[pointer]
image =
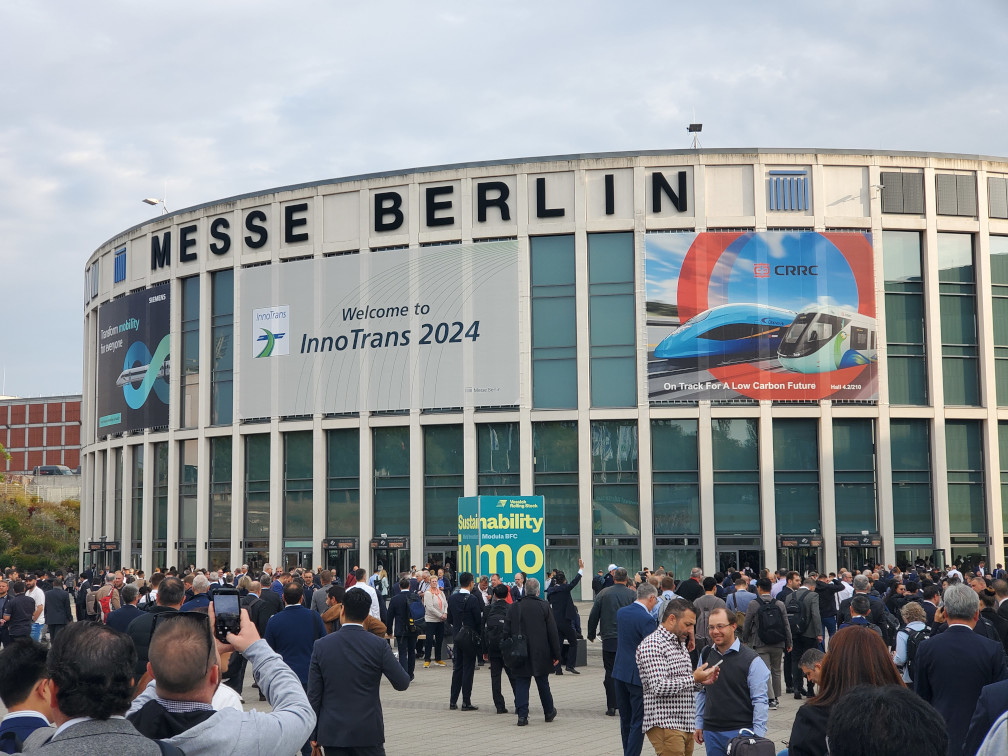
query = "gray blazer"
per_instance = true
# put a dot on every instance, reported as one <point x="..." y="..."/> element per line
<point x="95" y="737"/>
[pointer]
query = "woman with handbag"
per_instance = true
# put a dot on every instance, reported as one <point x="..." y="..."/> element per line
<point x="435" y="614"/>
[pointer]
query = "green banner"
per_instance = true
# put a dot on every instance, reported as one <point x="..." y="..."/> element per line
<point x="502" y="534"/>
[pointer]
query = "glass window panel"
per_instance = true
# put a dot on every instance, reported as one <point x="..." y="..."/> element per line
<point x="910" y="447"/>
<point x="955" y="258"/>
<point x="555" y="383"/>
<point x="854" y="475"/>
<point x="907" y="380"/>
<point x="223" y="292"/>
<point x="298" y="484"/>
<point x="610" y="258"/>
<point x="961" y="379"/>
<point x="614" y="382"/>
<point x="735" y="444"/>
<point x="443" y="471"/>
<point x="343" y="488"/>
<point x="905" y="319"/>
<point x="615" y="497"/>
<point x="391" y="448"/>
<point x="901" y="257"/>
<point x="220" y="488"/>
<point x="999" y="260"/>
<point x="257" y="487"/>
<point x="674" y="453"/>
<point x="136" y="527"/>
<point x="552" y="262"/>
<point x="188" y="486"/>
<point x="958" y="319"/>
<point x="498" y="459"/>
<point x="554" y="335"/>
<point x="553" y="322"/>
<point x="736" y="508"/>
<point x="555" y="460"/>
<point x="160" y="490"/>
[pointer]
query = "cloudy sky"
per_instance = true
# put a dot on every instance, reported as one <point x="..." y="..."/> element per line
<point x="104" y="103"/>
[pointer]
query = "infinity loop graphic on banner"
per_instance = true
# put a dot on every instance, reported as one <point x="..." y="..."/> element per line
<point x="155" y="378"/>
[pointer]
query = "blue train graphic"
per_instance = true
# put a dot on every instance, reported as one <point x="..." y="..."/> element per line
<point x="823" y="338"/>
<point x="728" y="333"/>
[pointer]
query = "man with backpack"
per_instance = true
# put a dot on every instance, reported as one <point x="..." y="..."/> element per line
<point x="806" y="630"/>
<point x="768" y="632"/>
<point x="101" y="603"/>
<point x="494" y="630"/>
<point x="404" y="626"/>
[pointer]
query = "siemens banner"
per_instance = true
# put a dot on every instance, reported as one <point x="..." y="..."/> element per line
<point x="426" y="327"/>
<point x="133" y="364"/>
<point x="502" y="534"/>
<point x="773" y="315"/>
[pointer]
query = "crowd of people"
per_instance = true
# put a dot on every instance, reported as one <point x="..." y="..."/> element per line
<point x="118" y="660"/>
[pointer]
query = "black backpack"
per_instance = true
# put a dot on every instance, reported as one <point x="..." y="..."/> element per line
<point x="798" y="618"/>
<point x="890" y="626"/>
<point x="494" y="627"/>
<point x="914" y="639"/>
<point x="770" y="623"/>
<point x="415" y="623"/>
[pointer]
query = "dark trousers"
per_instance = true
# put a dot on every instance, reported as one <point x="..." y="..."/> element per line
<point x="435" y="635"/>
<point x="521" y="691"/>
<point x="829" y="630"/>
<point x="788" y="679"/>
<point x="496" y="667"/>
<point x="234" y="678"/>
<point x="568" y="651"/>
<point x="608" y="660"/>
<point x="463" y="670"/>
<point x="801" y="645"/>
<point x="406" y="645"/>
<point x="630" y="699"/>
<point x="378" y="750"/>
<point x="53" y="630"/>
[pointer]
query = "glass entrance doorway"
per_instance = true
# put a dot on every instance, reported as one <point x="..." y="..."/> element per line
<point x="858" y="558"/>
<point x="392" y="554"/>
<point x="733" y="559"/>
<point x="294" y="558"/>
<point x="926" y="557"/>
<point x="442" y="552"/>
<point x="340" y="555"/>
<point x="801" y="559"/>
<point x="186" y="554"/>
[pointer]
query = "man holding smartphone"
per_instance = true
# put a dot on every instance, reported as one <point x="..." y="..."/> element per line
<point x="185" y="664"/>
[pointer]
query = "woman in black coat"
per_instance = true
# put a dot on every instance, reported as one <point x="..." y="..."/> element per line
<point x="533" y="618"/>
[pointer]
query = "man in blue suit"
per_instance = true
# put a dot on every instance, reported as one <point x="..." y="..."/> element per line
<point x="633" y="624"/>
<point x="23" y="688"/>
<point x="992" y="704"/>
<point x="343" y="682"/>
<point x="953" y="667"/>
<point x="292" y="633"/>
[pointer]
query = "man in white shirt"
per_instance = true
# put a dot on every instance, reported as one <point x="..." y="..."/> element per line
<point x="38" y="618"/>
<point x="361" y="575"/>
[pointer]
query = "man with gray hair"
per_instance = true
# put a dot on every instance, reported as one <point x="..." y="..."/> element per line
<point x="120" y="619"/>
<point x="952" y="667"/>
<point x="200" y="602"/>
<point x="633" y="624"/>
<point x="533" y="618"/>
<point x="692" y="589"/>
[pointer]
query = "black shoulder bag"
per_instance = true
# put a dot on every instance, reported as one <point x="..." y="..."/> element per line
<point x="514" y="648"/>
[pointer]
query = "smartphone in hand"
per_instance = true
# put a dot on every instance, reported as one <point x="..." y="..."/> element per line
<point x="227" y="613"/>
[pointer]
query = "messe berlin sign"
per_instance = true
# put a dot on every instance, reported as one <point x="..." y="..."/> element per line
<point x="502" y="534"/>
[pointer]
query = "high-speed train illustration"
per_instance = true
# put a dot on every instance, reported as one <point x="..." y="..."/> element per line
<point x="138" y="373"/>
<point x="824" y="338"/>
<point x="728" y="333"/>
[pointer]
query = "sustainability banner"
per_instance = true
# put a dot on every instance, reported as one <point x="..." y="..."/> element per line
<point x="426" y="327"/>
<point x="133" y="361"/>
<point x="503" y="534"/>
<point x="776" y="315"/>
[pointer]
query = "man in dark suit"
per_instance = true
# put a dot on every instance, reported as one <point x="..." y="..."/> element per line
<point x="692" y="588"/>
<point x="950" y="669"/>
<point x="565" y="614"/>
<point x="58" y="613"/>
<point x="1001" y="592"/>
<point x="533" y="618"/>
<point x="270" y="603"/>
<point x="603" y="618"/>
<point x="23" y="688"/>
<point x="993" y="702"/>
<point x="398" y="624"/>
<point x="4" y="598"/>
<point x="121" y="618"/>
<point x="465" y="615"/>
<point x="633" y="624"/>
<point x="343" y="681"/>
<point x="518" y="589"/>
<point x="90" y="693"/>
<point x="861" y="585"/>
<point x="171" y="594"/>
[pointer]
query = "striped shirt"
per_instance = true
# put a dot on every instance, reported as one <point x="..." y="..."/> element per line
<point x="666" y="674"/>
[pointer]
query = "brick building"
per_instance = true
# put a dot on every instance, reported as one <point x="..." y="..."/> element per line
<point x="40" y="431"/>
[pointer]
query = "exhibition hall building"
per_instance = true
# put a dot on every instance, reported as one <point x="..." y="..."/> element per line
<point x="764" y="357"/>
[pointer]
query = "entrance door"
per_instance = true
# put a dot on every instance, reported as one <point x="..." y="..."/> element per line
<point x="186" y="554"/>
<point x="341" y="561"/>
<point x="801" y="559"/>
<point x="734" y="560"/>
<point x="858" y="558"/>
<point x="255" y="559"/>
<point x="293" y="558"/>
<point x="393" y="561"/>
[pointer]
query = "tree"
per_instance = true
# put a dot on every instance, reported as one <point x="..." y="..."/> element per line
<point x="5" y="456"/>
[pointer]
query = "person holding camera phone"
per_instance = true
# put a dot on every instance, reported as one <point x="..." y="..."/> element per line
<point x="185" y="665"/>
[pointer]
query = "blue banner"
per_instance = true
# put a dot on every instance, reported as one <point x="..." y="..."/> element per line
<point x="503" y="534"/>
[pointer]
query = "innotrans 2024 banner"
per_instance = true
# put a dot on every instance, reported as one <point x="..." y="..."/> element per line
<point x="775" y="315"/>
<point x="133" y="361"/>
<point x="425" y="327"/>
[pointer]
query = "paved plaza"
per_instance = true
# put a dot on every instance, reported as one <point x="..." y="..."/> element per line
<point x="419" y="718"/>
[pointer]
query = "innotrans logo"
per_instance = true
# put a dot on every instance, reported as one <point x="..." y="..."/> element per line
<point x="271" y="328"/>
